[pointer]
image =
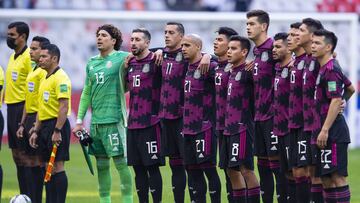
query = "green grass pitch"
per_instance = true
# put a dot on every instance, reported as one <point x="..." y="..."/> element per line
<point x="83" y="186"/>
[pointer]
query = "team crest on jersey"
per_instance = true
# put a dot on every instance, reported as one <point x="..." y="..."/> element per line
<point x="312" y="66"/>
<point x="108" y="64"/>
<point x="300" y="65"/>
<point x="318" y="79"/>
<point x="238" y="76"/>
<point x="31" y="86"/>
<point x="46" y="96"/>
<point x="165" y="56"/>
<point x="217" y="67"/>
<point x="197" y="74"/>
<point x="285" y="73"/>
<point x="264" y="56"/>
<point x="227" y="67"/>
<point x="91" y="67"/>
<point x="146" y="68"/>
<point x="179" y="57"/>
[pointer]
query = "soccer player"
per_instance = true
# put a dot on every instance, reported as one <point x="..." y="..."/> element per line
<point x="237" y="146"/>
<point x="33" y="81"/>
<point x="222" y="73"/>
<point x="282" y="55"/>
<point x="199" y="123"/>
<point x="19" y="66"/>
<point x="266" y="142"/>
<point x="104" y="93"/>
<point x="173" y="71"/>
<point x="300" y="155"/>
<point x="52" y="126"/>
<point x="310" y="72"/>
<point x="143" y="138"/>
<point x="330" y="125"/>
<point x="1" y="121"/>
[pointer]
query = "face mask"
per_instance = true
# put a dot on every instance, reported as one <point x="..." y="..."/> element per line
<point x="11" y="42"/>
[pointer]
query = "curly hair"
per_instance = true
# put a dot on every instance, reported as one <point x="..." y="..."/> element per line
<point x="114" y="33"/>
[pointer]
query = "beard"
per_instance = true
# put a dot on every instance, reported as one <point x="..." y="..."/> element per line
<point x="137" y="51"/>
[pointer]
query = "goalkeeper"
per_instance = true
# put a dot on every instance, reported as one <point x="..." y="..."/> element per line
<point x="104" y="93"/>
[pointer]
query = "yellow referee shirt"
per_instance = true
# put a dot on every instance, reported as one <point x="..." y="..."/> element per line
<point x="16" y="73"/>
<point x="33" y="81"/>
<point x="2" y="84"/>
<point x="53" y="88"/>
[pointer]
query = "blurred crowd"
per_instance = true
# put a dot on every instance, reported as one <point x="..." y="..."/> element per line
<point x="189" y="5"/>
<point x="177" y="5"/>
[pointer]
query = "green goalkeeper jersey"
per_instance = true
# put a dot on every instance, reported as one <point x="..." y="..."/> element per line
<point x="104" y="89"/>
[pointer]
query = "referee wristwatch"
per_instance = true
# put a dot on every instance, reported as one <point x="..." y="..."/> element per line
<point x="57" y="130"/>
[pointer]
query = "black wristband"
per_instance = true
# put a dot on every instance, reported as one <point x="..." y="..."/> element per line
<point x="57" y="130"/>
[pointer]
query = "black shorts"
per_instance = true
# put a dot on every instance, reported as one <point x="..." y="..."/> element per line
<point x="266" y="143"/>
<point x="285" y="153"/>
<point x="14" y="114"/>
<point x="1" y="128"/>
<point x="200" y="149"/>
<point x="237" y="150"/>
<point x="301" y="148"/>
<point x="333" y="158"/>
<point x="314" y="150"/>
<point x="45" y="144"/>
<point x="144" y="146"/>
<point x="171" y="138"/>
<point x="219" y="136"/>
<point x="29" y="123"/>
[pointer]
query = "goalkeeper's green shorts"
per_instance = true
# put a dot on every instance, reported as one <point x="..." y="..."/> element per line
<point x="108" y="140"/>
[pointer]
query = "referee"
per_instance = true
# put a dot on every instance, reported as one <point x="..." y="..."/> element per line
<point x="33" y="160"/>
<point x="1" y="121"/>
<point x="19" y="66"/>
<point x="52" y="125"/>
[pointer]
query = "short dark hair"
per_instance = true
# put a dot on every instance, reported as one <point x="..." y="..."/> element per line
<point x="262" y="16"/>
<point x="295" y="25"/>
<point x="41" y="40"/>
<point x="227" y="31"/>
<point x="244" y="42"/>
<point x="114" y="32"/>
<point x="281" y="36"/>
<point x="144" y="31"/>
<point x="312" y="24"/>
<point x="180" y="27"/>
<point x="52" y="49"/>
<point x="330" y="37"/>
<point x="21" y="28"/>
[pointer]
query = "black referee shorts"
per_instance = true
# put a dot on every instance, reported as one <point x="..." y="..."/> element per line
<point x="1" y="127"/>
<point x="45" y="143"/>
<point x="29" y="123"/>
<point x="14" y="114"/>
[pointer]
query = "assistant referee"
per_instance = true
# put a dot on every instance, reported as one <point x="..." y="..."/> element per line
<point x="52" y="125"/>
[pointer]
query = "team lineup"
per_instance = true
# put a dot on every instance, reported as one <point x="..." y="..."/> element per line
<point x="284" y="106"/>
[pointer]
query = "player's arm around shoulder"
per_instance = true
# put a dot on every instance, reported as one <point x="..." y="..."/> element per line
<point x="124" y="70"/>
<point x="205" y="63"/>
